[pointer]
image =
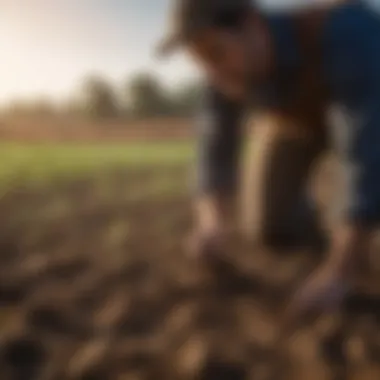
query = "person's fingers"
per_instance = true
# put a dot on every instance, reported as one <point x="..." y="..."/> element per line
<point x="202" y="244"/>
<point x="304" y="303"/>
<point x="318" y="295"/>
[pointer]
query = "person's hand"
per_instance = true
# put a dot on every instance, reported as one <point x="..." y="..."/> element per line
<point x="207" y="243"/>
<point x="211" y="231"/>
<point x="323" y="291"/>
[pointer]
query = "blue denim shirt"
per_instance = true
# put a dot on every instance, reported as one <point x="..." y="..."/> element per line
<point x="351" y="69"/>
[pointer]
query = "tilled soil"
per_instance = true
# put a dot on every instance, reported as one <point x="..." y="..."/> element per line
<point x="95" y="285"/>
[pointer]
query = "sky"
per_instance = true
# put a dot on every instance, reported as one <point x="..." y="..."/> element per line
<point x="48" y="46"/>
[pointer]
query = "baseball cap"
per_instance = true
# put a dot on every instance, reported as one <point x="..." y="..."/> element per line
<point x="187" y="17"/>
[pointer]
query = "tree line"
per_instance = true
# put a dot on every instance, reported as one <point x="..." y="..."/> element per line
<point x="142" y="96"/>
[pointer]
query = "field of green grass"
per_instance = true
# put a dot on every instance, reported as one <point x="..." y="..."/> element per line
<point x="36" y="163"/>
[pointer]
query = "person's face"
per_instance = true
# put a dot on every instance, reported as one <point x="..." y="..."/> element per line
<point x="231" y="60"/>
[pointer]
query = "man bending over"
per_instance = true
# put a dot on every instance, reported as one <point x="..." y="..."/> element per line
<point x="285" y="70"/>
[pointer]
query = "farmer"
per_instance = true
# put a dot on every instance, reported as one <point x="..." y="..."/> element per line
<point x="289" y="69"/>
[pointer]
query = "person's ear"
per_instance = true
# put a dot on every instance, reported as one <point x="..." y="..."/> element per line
<point x="251" y="21"/>
<point x="255" y="29"/>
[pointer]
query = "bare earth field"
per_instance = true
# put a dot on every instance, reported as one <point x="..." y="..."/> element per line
<point x="95" y="284"/>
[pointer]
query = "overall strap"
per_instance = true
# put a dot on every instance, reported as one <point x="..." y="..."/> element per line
<point x="311" y="95"/>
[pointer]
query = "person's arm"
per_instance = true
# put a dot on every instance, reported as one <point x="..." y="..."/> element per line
<point x="218" y="151"/>
<point x="359" y="216"/>
<point x="360" y="209"/>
